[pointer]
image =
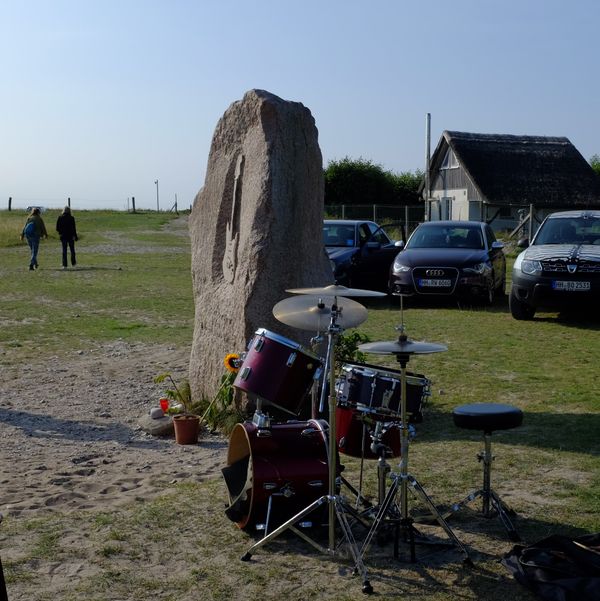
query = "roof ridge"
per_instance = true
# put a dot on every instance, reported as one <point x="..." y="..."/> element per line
<point x="516" y="138"/>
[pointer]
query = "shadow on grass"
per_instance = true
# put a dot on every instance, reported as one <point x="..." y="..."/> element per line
<point x="438" y="570"/>
<point x="571" y="432"/>
<point x="45" y="426"/>
<point x="89" y="268"/>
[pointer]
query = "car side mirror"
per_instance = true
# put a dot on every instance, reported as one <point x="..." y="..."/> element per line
<point x="497" y="244"/>
<point x="399" y="243"/>
<point x="523" y="243"/>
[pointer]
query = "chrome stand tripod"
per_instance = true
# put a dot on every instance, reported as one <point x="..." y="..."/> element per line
<point x="337" y="507"/>
<point x="403" y="348"/>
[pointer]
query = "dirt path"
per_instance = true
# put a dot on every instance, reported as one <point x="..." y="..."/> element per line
<point x="70" y="433"/>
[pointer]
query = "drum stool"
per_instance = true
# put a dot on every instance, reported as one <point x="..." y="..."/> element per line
<point x="488" y="417"/>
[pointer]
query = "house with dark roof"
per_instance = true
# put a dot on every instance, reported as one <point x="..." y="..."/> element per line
<point x="499" y="178"/>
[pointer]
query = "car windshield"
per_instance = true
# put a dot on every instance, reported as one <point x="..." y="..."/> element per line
<point x="335" y="234"/>
<point x="432" y="236"/>
<point x="569" y="231"/>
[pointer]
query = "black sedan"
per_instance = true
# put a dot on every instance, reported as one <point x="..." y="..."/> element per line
<point x="361" y="253"/>
<point x="561" y="267"/>
<point x="451" y="258"/>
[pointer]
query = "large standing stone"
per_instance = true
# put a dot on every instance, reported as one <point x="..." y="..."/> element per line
<point x="255" y="228"/>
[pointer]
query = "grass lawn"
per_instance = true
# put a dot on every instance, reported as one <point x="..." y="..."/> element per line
<point x="133" y="282"/>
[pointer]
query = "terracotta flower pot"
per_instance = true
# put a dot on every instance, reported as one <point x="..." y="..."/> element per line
<point x="187" y="428"/>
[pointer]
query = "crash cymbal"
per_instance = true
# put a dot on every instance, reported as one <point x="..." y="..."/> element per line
<point x="335" y="290"/>
<point x="313" y="313"/>
<point x="402" y="346"/>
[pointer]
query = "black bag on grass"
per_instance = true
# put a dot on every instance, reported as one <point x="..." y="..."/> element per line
<point x="559" y="568"/>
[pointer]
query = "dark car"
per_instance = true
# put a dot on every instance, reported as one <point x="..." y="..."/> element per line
<point x="451" y="258"/>
<point x="360" y="252"/>
<point x="561" y="267"/>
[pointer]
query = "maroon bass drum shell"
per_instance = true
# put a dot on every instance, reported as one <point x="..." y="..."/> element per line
<point x="286" y="461"/>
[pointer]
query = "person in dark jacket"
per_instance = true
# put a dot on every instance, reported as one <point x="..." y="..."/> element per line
<point x="65" y="226"/>
<point x="34" y="230"/>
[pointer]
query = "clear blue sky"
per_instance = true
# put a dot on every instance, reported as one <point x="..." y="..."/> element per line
<point x="99" y="98"/>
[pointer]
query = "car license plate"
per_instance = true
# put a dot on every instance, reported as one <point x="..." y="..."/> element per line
<point x="570" y="286"/>
<point x="435" y="283"/>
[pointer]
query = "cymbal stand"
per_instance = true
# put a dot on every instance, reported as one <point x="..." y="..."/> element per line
<point x="337" y="507"/>
<point x="403" y="480"/>
<point x="315" y="342"/>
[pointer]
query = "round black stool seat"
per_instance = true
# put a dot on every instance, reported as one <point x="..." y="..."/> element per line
<point x="487" y="417"/>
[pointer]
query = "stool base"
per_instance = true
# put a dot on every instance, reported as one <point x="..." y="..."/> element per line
<point x="492" y="505"/>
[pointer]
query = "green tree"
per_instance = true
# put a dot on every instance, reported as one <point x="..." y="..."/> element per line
<point x="595" y="163"/>
<point x="362" y="182"/>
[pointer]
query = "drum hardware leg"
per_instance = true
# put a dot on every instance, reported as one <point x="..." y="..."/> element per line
<point x="267" y="521"/>
<point x="401" y="482"/>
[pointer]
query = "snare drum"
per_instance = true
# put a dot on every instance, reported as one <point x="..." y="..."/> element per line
<point x="285" y="462"/>
<point x="277" y="370"/>
<point x="353" y="434"/>
<point x="375" y="390"/>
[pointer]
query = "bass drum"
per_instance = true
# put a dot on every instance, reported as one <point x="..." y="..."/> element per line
<point x="285" y="462"/>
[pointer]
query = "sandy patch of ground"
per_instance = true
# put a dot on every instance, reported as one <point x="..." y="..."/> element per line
<point x="70" y="434"/>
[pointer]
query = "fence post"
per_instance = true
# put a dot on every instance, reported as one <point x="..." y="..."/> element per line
<point x="375" y="213"/>
<point x="343" y="211"/>
<point x="133" y="204"/>
<point x="69" y="202"/>
<point x="9" y="202"/>
<point x="530" y="222"/>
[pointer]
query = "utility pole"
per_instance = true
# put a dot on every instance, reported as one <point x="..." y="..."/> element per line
<point x="157" y="205"/>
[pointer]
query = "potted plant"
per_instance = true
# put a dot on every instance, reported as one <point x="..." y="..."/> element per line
<point x="186" y="420"/>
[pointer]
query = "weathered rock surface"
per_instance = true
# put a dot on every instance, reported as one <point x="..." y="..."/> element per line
<point x="255" y="229"/>
<point x="162" y="426"/>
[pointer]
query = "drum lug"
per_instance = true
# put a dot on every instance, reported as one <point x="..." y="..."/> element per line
<point x="263" y="433"/>
<point x="308" y="432"/>
<point x="245" y="373"/>
<point x="316" y="483"/>
<point x="259" y="344"/>
<point x="291" y="359"/>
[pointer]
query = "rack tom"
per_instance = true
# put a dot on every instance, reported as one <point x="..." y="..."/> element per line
<point x="277" y="370"/>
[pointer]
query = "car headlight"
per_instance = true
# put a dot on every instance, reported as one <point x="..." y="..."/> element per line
<point x="400" y="267"/>
<point x="531" y="267"/>
<point x="480" y="268"/>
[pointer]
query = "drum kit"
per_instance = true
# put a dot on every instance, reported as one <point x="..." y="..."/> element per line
<point x="288" y="474"/>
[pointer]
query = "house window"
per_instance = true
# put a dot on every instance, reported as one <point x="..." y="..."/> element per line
<point x="449" y="161"/>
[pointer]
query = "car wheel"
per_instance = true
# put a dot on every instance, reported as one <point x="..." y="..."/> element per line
<point x="520" y="309"/>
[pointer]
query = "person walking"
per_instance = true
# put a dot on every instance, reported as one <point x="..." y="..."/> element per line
<point x="65" y="226"/>
<point x="34" y="230"/>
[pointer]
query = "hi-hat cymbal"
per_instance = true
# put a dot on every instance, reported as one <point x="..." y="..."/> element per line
<point x="313" y="313"/>
<point x="402" y="346"/>
<point x="335" y="290"/>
